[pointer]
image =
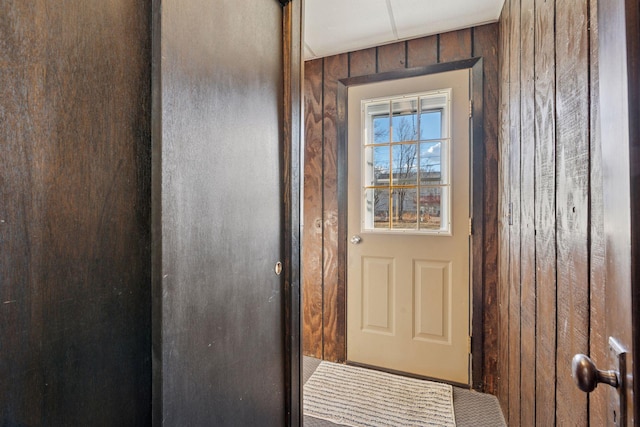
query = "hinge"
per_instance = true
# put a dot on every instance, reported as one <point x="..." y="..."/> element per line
<point x="470" y="108"/>
<point x="469" y="345"/>
<point x="470" y="226"/>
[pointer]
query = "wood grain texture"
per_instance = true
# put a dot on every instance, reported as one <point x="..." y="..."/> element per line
<point x="75" y="312"/>
<point x="486" y="46"/>
<point x="455" y="45"/>
<point x="515" y="198"/>
<point x="422" y="52"/>
<point x="545" y="222"/>
<point x="572" y="202"/>
<point x="312" y="233"/>
<point x="363" y="62"/>
<point x="334" y="293"/>
<point x="392" y="57"/>
<point x="527" y="214"/>
<point x="222" y="221"/>
<point x="502" y="391"/>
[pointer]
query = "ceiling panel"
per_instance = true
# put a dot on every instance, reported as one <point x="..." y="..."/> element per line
<point x="333" y="26"/>
<point x="336" y="26"/>
<point x="416" y="18"/>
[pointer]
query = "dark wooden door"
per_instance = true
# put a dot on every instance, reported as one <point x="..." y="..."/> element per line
<point x="218" y="214"/>
<point x="619" y="100"/>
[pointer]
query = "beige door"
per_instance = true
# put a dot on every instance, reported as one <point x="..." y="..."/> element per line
<point x="408" y="224"/>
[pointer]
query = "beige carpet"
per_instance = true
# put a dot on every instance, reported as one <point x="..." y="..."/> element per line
<point x="353" y="396"/>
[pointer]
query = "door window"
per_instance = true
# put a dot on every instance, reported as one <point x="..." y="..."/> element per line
<point x="406" y="145"/>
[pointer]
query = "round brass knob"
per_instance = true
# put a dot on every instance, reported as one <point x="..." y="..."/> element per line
<point x="587" y="376"/>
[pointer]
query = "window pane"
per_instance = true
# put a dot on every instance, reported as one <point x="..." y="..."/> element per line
<point x="405" y="120"/>
<point x="431" y="125"/>
<point x="376" y="208"/>
<point x="433" y="209"/>
<point x="405" y="164"/>
<point x="432" y="164"/>
<point x="378" y="123"/>
<point x="435" y="107"/>
<point x="376" y="165"/>
<point x="404" y="209"/>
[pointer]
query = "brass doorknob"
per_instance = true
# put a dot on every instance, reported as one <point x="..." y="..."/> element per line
<point x="587" y="376"/>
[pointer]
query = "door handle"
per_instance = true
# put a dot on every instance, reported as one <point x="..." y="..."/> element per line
<point x="587" y="375"/>
<point x="356" y="239"/>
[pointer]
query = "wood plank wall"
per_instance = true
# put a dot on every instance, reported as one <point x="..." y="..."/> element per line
<point x="550" y="224"/>
<point x="323" y="277"/>
<point x="75" y="297"/>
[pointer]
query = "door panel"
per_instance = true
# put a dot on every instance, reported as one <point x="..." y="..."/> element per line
<point x="432" y="299"/>
<point x="219" y="301"/>
<point x="619" y="74"/>
<point x="408" y="291"/>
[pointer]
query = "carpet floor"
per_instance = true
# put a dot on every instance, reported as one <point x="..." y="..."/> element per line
<point x="472" y="409"/>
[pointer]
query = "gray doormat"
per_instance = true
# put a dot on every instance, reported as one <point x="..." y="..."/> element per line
<point x="360" y="397"/>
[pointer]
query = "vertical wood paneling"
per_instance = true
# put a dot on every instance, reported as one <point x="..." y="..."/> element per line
<point x="598" y="340"/>
<point x="485" y="44"/>
<point x="362" y="62"/>
<point x="392" y="57"/>
<point x="312" y="232"/>
<point x="334" y="316"/>
<point x="504" y="211"/>
<point x="572" y="202"/>
<point x="422" y="52"/>
<point x="527" y="212"/>
<point x="545" y="186"/>
<point x="514" y="239"/>
<point x="552" y="256"/>
<point x="455" y="45"/>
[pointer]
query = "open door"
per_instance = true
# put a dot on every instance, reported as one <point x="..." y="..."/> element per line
<point x="222" y="204"/>
<point x="619" y="100"/>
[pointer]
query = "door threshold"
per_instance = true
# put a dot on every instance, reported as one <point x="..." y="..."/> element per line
<point x="406" y="374"/>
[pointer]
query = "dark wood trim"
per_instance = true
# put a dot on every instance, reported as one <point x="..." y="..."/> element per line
<point x="156" y="215"/>
<point x="477" y="192"/>
<point x="292" y="138"/>
<point x="333" y="295"/>
<point x="409" y="72"/>
<point x="477" y="212"/>
<point x="485" y="45"/>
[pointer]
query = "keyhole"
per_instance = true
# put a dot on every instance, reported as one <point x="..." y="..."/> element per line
<point x="615" y="418"/>
<point x="278" y="268"/>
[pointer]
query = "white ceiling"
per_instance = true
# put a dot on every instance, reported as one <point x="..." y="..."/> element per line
<point x="337" y="26"/>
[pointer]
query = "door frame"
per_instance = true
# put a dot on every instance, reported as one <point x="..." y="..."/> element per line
<point x="476" y="265"/>
<point x="292" y="22"/>
<point x="619" y="54"/>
